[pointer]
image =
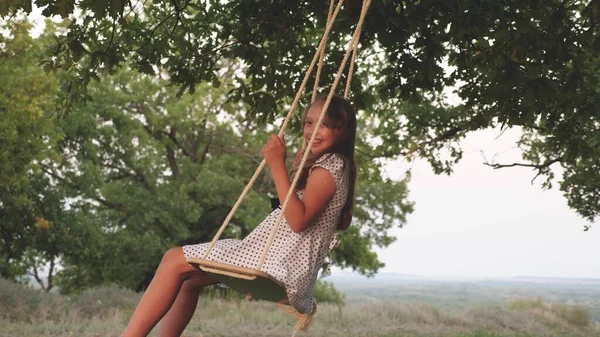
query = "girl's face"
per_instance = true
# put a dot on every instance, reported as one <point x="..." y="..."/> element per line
<point x="325" y="137"/>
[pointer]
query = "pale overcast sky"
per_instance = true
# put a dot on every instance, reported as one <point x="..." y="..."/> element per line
<point x="481" y="222"/>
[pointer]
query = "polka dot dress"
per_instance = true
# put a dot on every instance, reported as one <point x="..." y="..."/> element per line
<point x="294" y="258"/>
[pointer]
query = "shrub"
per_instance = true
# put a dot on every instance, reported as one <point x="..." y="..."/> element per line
<point x="572" y="315"/>
<point x="577" y="316"/>
<point x="325" y="292"/>
<point x="104" y="301"/>
<point x="221" y="292"/>
<point x="23" y="303"/>
<point x="526" y="304"/>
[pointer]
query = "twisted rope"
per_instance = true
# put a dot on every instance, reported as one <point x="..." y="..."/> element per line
<point x="322" y="56"/>
<point x="351" y="47"/>
<point x="283" y="127"/>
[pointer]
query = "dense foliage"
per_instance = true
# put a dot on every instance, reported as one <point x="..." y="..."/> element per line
<point x="137" y="169"/>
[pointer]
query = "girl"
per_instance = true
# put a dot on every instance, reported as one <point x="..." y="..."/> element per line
<point x="322" y="203"/>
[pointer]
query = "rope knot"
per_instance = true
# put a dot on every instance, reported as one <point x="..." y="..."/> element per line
<point x="304" y="320"/>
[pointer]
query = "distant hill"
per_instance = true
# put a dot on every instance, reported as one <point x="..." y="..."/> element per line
<point x="461" y="293"/>
<point x="345" y="278"/>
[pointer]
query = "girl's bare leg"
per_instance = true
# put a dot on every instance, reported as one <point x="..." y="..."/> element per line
<point x="183" y="309"/>
<point x="161" y="293"/>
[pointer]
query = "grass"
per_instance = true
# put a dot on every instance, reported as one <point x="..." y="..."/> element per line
<point x="554" y="314"/>
<point x="105" y="311"/>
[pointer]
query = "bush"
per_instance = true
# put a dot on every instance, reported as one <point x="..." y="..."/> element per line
<point x="325" y="292"/>
<point x="104" y="301"/>
<point x="23" y="303"/>
<point x="576" y="316"/>
<point x="221" y="292"/>
<point x="526" y="304"/>
<point x="573" y="315"/>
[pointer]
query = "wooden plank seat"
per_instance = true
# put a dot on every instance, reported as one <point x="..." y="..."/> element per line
<point x="255" y="283"/>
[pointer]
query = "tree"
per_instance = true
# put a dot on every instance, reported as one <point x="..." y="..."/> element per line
<point x="325" y="292"/>
<point x="27" y="198"/>
<point x="153" y="170"/>
<point x="526" y="64"/>
<point x="138" y="169"/>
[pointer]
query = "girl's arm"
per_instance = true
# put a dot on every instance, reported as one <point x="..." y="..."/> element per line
<point x="319" y="189"/>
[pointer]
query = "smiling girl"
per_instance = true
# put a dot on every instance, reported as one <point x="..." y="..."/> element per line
<point x="322" y="204"/>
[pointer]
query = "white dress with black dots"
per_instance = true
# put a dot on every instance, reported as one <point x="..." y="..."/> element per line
<point x="294" y="258"/>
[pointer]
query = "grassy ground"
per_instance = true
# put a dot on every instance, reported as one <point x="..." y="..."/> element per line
<point x="104" y="312"/>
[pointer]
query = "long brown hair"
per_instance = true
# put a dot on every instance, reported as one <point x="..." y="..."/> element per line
<point x="340" y="116"/>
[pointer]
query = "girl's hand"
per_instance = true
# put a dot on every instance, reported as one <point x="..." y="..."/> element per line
<point x="275" y="152"/>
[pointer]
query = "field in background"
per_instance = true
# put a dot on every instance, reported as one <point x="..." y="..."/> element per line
<point x="452" y="294"/>
<point x="400" y="308"/>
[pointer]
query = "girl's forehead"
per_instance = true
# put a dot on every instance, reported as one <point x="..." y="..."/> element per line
<point x="315" y="110"/>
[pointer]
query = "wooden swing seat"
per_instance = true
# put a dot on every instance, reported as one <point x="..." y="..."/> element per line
<point x="255" y="283"/>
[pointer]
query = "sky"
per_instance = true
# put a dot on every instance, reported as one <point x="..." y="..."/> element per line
<point x="481" y="222"/>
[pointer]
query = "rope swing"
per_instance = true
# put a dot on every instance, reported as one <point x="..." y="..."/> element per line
<point x="255" y="281"/>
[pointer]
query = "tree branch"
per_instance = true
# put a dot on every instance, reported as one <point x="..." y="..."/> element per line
<point x="172" y="162"/>
<point x="541" y="168"/>
<point x="37" y="278"/>
<point x="447" y="135"/>
<point x="50" y="276"/>
<point x="156" y="222"/>
<point x="69" y="184"/>
<point x="141" y="177"/>
<point x="112" y="35"/>
<point x="206" y="149"/>
<point x="385" y="154"/>
<point x="254" y="158"/>
<point x="150" y="34"/>
<point x="173" y="137"/>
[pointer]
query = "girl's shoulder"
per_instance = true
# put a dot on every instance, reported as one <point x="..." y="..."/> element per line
<point x="335" y="163"/>
<point x="332" y="158"/>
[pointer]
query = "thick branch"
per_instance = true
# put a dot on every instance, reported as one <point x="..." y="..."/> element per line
<point x="447" y="135"/>
<point x="117" y="177"/>
<point x="206" y="149"/>
<point x="138" y="174"/>
<point x="141" y="177"/>
<point x="50" y="276"/>
<point x="173" y="162"/>
<point x="37" y="278"/>
<point x="173" y="137"/>
<point x="196" y="142"/>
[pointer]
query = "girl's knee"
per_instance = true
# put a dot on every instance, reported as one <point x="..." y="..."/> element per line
<point x="173" y="259"/>
<point x="174" y="253"/>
